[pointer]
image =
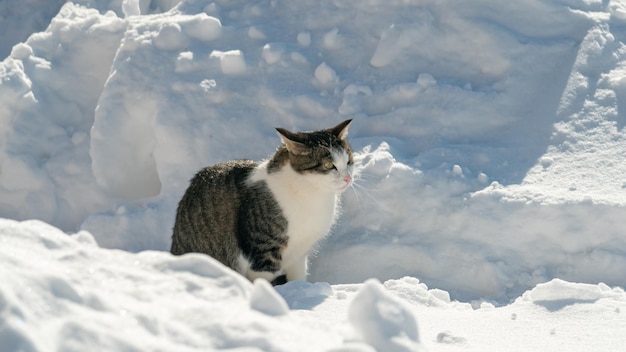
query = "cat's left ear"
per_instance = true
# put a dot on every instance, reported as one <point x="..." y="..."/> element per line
<point x="341" y="130"/>
<point x="290" y="140"/>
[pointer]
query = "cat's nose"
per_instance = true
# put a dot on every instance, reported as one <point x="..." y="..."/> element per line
<point x="347" y="179"/>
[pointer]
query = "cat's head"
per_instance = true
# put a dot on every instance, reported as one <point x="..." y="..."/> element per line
<point x="324" y="156"/>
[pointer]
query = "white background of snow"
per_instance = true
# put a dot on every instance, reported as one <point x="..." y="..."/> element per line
<point x="490" y="140"/>
<point x="64" y="293"/>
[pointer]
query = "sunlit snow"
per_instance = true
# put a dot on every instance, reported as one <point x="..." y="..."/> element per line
<point x="489" y="202"/>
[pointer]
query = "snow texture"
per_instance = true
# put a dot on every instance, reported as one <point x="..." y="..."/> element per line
<point x="65" y="293"/>
<point x="382" y="320"/>
<point x="266" y="300"/>
<point x="489" y="146"/>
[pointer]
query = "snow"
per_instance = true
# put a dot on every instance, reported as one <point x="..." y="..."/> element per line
<point x="489" y="201"/>
<point x="65" y="293"/>
<point x="383" y="321"/>
<point x="266" y="300"/>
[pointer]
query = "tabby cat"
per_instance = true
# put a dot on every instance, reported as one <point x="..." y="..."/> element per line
<point x="262" y="219"/>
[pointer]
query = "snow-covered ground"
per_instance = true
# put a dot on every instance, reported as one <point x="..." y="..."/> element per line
<point x="64" y="293"/>
<point x="491" y="155"/>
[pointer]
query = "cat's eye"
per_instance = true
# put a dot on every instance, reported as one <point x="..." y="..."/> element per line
<point x="329" y="165"/>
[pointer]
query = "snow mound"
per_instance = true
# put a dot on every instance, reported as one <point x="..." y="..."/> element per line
<point x="383" y="321"/>
<point x="559" y="291"/>
<point x="266" y="300"/>
<point x="412" y="290"/>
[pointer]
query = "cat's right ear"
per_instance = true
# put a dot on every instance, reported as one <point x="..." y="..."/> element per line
<point x="341" y="130"/>
<point x="290" y="140"/>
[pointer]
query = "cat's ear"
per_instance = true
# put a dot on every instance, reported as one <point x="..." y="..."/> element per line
<point x="291" y="141"/>
<point x="341" y="130"/>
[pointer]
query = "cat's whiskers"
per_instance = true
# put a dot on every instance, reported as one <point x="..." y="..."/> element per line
<point x="356" y="194"/>
<point x="359" y="189"/>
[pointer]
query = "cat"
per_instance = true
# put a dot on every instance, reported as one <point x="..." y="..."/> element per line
<point x="263" y="219"/>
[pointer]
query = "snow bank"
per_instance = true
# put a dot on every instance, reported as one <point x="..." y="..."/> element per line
<point x="74" y="294"/>
<point x="49" y="88"/>
<point x="489" y="135"/>
<point x="479" y="243"/>
<point x="63" y="292"/>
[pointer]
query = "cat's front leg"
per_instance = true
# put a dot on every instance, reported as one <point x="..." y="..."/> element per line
<point x="297" y="270"/>
<point x="280" y="280"/>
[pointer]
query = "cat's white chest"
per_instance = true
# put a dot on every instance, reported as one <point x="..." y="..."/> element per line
<point x="309" y="210"/>
<point x="309" y="214"/>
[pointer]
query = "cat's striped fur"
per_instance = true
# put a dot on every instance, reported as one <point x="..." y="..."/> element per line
<point x="261" y="219"/>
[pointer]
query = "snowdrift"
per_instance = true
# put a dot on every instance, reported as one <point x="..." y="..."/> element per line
<point x="490" y="135"/>
<point x="79" y="296"/>
<point x="62" y="292"/>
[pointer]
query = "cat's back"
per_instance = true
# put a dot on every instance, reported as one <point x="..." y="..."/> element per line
<point x="226" y="172"/>
<point x="208" y="210"/>
<point x="218" y="181"/>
